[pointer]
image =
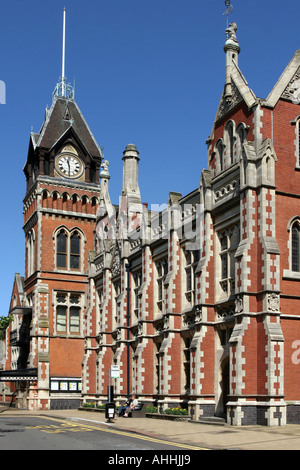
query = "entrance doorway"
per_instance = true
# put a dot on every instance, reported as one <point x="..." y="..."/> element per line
<point x="223" y="388"/>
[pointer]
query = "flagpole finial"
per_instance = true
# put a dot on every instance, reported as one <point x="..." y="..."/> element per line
<point x="229" y="9"/>
<point x="63" y="89"/>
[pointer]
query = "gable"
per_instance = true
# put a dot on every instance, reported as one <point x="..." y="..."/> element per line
<point x="63" y="115"/>
<point x="17" y="292"/>
<point x="287" y="85"/>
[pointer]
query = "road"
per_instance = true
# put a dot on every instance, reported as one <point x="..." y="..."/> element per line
<point x="21" y="432"/>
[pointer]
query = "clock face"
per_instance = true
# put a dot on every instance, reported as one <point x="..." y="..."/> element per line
<point x="69" y="166"/>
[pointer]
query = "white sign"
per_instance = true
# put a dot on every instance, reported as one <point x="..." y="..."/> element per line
<point x="115" y="372"/>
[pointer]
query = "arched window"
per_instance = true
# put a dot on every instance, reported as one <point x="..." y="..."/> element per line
<point x="75" y="251"/>
<point x="68" y="250"/>
<point x="298" y="143"/>
<point x="30" y="253"/>
<point x="61" y="250"/>
<point x="220" y="155"/>
<point x="230" y="144"/>
<point x="296" y="246"/>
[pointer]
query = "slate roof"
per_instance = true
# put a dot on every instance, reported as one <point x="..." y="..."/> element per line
<point x="63" y="114"/>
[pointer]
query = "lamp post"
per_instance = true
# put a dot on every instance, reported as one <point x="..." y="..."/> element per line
<point x="127" y="267"/>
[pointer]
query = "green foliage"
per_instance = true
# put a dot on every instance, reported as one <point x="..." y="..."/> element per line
<point x="4" y="323"/>
<point x="151" y="409"/>
<point x="93" y="405"/>
<point x="89" y="405"/>
<point x="167" y="411"/>
<point x="175" y="411"/>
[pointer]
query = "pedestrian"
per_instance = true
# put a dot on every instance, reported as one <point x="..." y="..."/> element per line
<point x="124" y="407"/>
<point x="134" y="404"/>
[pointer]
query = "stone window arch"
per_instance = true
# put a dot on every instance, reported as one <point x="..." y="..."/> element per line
<point x="69" y="249"/>
<point x="230" y="142"/>
<point x="298" y="142"/>
<point x="294" y="229"/>
<point x="30" y="246"/>
<point x="220" y="155"/>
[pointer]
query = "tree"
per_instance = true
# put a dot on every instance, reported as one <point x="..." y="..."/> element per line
<point x="4" y="323"/>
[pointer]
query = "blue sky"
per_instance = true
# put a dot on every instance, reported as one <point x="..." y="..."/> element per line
<point x="146" y="72"/>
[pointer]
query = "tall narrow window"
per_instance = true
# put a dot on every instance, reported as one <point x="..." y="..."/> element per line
<point x="75" y="251"/>
<point x="298" y="143"/>
<point x="74" y="320"/>
<point x="191" y="261"/>
<point x="61" y="319"/>
<point x="116" y="304"/>
<point x="296" y="247"/>
<point x="162" y="270"/>
<point x="186" y="360"/>
<point x="229" y="240"/>
<point x="220" y="155"/>
<point x="61" y="253"/>
<point x="231" y="144"/>
<point x="68" y="250"/>
<point x="137" y="282"/>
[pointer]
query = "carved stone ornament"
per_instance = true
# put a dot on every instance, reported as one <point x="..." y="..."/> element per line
<point x="166" y="322"/>
<point x="191" y="318"/>
<point x="292" y="91"/>
<point x="225" y="105"/>
<point x="239" y="307"/>
<point x="273" y="302"/>
<point x="225" y="312"/>
<point x="116" y="262"/>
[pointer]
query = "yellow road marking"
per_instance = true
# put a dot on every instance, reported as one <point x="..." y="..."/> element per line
<point x="69" y="426"/>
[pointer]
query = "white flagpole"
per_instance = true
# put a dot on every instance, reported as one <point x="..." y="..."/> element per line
<point x="63" y="53"/>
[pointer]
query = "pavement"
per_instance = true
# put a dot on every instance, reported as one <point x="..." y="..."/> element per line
<point x="196" y="435"/>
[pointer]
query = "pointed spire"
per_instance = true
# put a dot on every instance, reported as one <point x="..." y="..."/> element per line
<point x="63" y="89"/>
<point x="231" y="49"/>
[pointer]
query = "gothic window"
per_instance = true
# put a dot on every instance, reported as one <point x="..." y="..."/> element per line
<point x="220" y="155"/>
<point x="99" y="310"/>
<point x="295" y="255"/>
<point x="68" y="250"/>
<point x="75" y="251"/>
<point x="61" y="250"/>
<point x="30" y="253"/>
<point x="191" y="260"/>
<point x="44" y="198"/>
<point x="137" y="282"/>
<point x="157" y="377"/>
<point x="161" y="272"/>
<point x="298" y="143"/>
<point x="230" y="144"/>
<point x="186" y="361"/>
<point x="116" y="304"/>
<point x="68" y="313"/>
<point x="228" y="243"/>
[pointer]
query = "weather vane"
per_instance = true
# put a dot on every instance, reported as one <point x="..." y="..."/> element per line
<point x="229" y="9"/>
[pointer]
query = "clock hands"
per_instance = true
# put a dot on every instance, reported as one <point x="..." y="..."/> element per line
<point x="69" y="165"/>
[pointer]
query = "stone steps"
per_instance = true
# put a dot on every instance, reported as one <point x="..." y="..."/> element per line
<point x="211" y="420"/>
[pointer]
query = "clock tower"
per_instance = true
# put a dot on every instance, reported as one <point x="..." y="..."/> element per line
<point x="60" y="205"/>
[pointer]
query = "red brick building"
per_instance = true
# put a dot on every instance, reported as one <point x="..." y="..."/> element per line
<point x="199" y="303"/>
<point x="45" y="341"/>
